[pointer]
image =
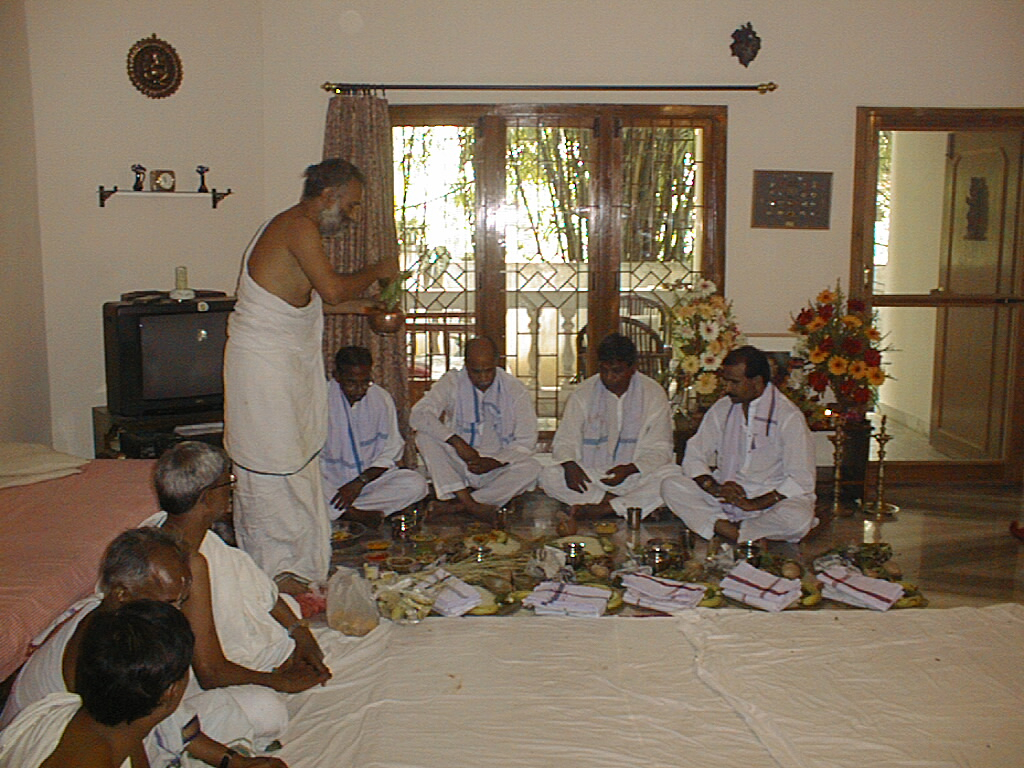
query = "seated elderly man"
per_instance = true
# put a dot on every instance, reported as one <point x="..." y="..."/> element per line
<point x="144" y="563"/>
<point x="362" y="480"/>
<point x="248" y="637"/>
<point x="749" y="472"/>
<point x="130" y="674"/>
<point x="613" y="445"/>
<point x="477" y="431"/>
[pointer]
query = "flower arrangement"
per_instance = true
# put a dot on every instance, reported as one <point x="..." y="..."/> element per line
<point x="838" y="350"/>
<point x="702" y="330"/>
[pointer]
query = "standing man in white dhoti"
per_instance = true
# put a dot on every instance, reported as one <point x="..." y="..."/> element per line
<point x="613" y="445"/>
<point x="476" y="429"/>
<point x="749" y="472"/>
<point x="131" y="670"/>
<point x="362" y="479"/>
<point x="275" y="387"/>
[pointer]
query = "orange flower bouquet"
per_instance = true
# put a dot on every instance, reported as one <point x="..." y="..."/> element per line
<point x="839" y="349"/>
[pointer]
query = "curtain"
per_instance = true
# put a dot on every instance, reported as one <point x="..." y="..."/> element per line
<point x="359" y="130"/>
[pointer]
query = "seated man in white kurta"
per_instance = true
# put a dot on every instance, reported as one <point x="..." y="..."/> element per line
<point x="749" y="472"/>
<point x="613" y="446"/>
<point x="130" y="674"/>
<point x="477" y="431"/>
<point x="362" y="480"/>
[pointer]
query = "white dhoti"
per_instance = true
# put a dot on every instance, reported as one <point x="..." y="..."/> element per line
<point x="37" y="731"/>
<point x="275" y="423"/>
<point x="395" y="490"/>
<point x="449" y="474"/>
<point x="638" y="490"/>
<point x="284" y="526"/>
<point x="789" y="520"/>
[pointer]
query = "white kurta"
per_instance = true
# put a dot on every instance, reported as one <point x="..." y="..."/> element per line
<point x="362" y="436"/>
<point x="35" y="734"/>
<point x="499" y="423"/>
<point x="600" y="431"/>
<point x="275" y="423"/>
<point x="770" y="450"/>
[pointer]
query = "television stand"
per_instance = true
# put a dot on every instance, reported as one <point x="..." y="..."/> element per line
<point x="146" y="437"/>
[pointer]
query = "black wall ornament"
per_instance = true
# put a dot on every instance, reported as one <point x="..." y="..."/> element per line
<point x="745" y="44"/>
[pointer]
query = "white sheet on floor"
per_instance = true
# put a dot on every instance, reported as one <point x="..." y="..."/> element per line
<point x="712" y="687"/>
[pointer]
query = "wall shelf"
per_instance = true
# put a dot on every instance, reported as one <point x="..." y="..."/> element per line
<point x="214" y="195"/>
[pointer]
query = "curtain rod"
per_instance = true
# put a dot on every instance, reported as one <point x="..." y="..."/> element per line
<point x="350" y="87"/>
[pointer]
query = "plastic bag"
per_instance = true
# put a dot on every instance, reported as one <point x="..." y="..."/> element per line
<point x="351" y="608"/>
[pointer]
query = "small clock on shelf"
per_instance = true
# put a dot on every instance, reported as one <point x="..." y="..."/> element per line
<point x="161" y="181"/>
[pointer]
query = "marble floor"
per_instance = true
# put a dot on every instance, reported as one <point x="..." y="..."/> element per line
<point x="952" y="541"/>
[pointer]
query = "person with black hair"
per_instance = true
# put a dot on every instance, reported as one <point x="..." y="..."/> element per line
<point x="749" y="472"/>
<point x="275" y="388"/>
<point x="359" y="462"/>
<point x="131" y="673"/>
<point x="140" y="564"/>
<point x="613" y="445"/>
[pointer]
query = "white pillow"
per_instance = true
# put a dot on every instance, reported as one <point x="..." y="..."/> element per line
<point x="24" y="463"/>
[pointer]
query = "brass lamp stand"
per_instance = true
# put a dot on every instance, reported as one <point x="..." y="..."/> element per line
<point x="880" y="508"/>
<point x="838" y="440"/>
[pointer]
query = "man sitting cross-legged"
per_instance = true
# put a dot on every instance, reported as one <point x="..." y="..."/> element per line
<point x="130" y="674"/>
<point x="749" y="471"/>
<point x="477" y="431"/>
<point x="144" y="563"/>
<point x="613" y="445"/>
<point x="248" y="638"/>
<point x="362" y="480"/>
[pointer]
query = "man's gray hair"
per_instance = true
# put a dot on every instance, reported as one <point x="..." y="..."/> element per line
<point x="128" y="560"/>
<point x="184" y="472"/>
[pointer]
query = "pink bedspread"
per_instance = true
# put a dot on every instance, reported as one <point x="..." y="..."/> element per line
<point x="52" y="535"/>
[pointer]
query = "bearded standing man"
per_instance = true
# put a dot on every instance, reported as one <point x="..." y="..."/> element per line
<point x="275" y="387"/>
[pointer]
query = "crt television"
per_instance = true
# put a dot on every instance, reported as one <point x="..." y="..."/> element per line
<point x="165" y="356"/>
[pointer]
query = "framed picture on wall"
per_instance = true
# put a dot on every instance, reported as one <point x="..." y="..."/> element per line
<point x="792" y="199"/>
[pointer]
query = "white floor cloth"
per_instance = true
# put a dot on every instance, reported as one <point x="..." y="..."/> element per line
<point x="723" y="687"/>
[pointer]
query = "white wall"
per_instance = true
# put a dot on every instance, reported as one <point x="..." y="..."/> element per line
<point x="250" y="107"/>
<point x="24" y="402"/>
<point x="918" y="178"/>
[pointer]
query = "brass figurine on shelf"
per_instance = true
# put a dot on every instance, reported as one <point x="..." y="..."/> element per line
<point x="880" y="508"/>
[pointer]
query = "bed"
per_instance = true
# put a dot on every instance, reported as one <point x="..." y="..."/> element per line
<point x="53" y="533"/>
<point x="715" y="688"/>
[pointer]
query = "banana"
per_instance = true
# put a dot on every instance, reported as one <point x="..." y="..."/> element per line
<point x="810" y="600"/>
<point x="712" y="602"/>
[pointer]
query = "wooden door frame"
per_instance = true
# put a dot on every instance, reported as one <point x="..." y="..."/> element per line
<point x="871" y="120"/>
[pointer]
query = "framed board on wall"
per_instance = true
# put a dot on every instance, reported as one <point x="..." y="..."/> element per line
<point x="792" y="199"/>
